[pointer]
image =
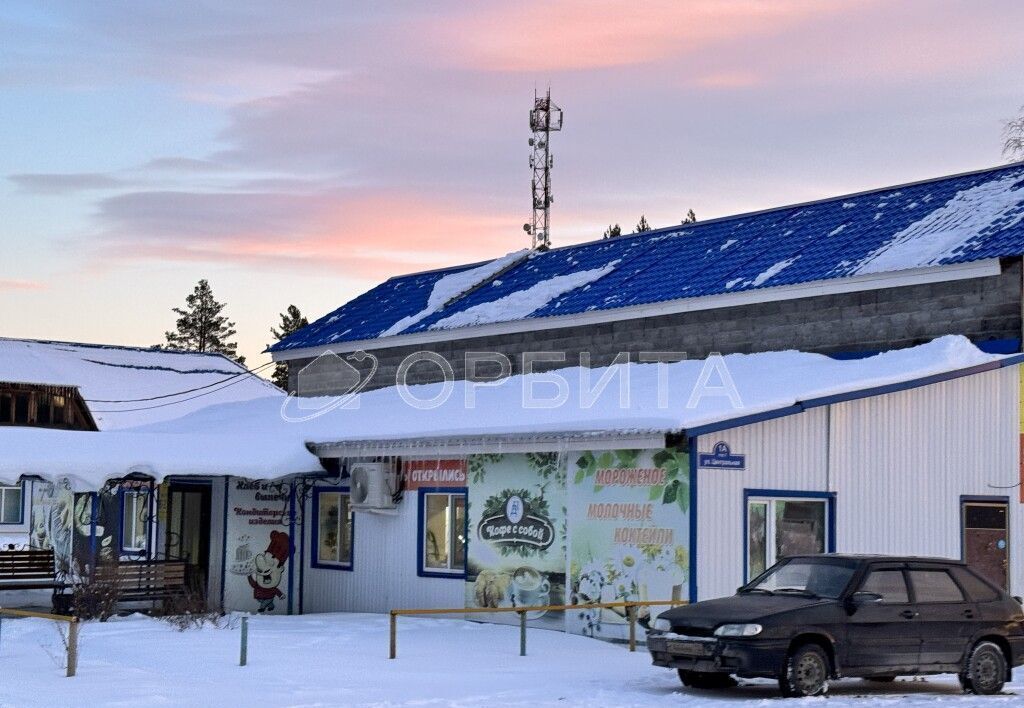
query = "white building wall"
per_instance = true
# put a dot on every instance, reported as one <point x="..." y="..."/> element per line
<point x="384" y="568"/>
<point x="786" y="453"/>
<point x="898" y="464"/>
<point x="902" y="461"/>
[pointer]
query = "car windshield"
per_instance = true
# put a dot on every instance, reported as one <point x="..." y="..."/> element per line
<point x="810" y="578"/>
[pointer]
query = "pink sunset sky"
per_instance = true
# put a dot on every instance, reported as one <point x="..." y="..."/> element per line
<point x="299" y="153"/>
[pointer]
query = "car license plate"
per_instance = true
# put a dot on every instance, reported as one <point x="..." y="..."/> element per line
<point x="686" y="648"/>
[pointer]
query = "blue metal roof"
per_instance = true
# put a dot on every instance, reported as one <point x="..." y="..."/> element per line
<point x="942" y="221"/>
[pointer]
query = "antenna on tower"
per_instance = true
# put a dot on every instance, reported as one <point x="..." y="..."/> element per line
<point x="545" y="118"/>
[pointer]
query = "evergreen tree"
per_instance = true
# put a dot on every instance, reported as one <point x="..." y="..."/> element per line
<point x="1013" y="137"/>
<point x="612" y="231"/>
<point x="291" y="321"/>
<point x="642" y="225"/>
<point x="201" y="327"/>
<point x="690" y="218"/>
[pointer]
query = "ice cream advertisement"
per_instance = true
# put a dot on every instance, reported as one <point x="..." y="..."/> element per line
<point x="629" y="514"/>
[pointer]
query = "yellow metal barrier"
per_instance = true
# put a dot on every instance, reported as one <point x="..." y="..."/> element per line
<point x="628" y="605"/>
<point x="73" y="625"/>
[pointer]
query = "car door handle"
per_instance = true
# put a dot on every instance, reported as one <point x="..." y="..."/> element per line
<point x="908" y="614"/>
<point x="969" y="614"/>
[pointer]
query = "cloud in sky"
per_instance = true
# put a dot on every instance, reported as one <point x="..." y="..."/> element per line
<point x="359" y="140"/>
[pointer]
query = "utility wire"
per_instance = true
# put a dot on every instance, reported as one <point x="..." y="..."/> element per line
<point x="173" y="403"/>
<point x="247" y="372"/>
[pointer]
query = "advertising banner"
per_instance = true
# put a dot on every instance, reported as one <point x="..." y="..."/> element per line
<point x="52" y="522"/>
<point x="259" y="547"/>
<point x="517" y="531"/>
<point x="630" y="518"/>
<point x="434" y="473"/>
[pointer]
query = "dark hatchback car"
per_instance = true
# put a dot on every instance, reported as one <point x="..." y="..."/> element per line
<point x="808" y="619"/>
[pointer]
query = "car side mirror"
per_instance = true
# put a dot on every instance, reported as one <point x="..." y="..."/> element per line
<point x="1019" y="599"/>
<point x="862" y="599"/>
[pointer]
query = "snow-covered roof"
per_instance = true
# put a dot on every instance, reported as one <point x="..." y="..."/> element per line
<point x="113" y="379"/>
<point x="943" y="221"/>
<point x="267" y="437"/>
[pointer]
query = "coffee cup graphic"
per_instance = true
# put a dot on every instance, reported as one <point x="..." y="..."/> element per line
<point x="530" y="588"/>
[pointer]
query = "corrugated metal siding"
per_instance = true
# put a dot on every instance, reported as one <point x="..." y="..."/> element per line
<point x="384" y="569"/>
<point x="898" y="464"/>
<point x="901" y="462"/>
<point x="786" y="453"/>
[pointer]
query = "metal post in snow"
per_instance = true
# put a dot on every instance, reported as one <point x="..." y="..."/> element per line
<point x="394" y="637"/>
<point x="522" y="633"/>
<point x="631" y="614"/>
<point x="72" y="647"/>
<point x="243" y="656"/>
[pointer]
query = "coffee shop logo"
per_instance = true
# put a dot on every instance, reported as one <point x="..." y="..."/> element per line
<point x="516" y="523"/>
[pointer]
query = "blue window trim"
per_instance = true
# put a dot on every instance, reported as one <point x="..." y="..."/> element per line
<point x="150" y="492"/>
<point x="830" y="513"/>
<point x="21" y="509"/>
<point x="421" y="518"/>
<point x="314" y="558"/>
<point x="983" y="499"/>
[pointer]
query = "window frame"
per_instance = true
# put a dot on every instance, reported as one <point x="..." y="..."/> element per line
<point x="124" y="493"/>
<point x="22" y="516"/>
<point x="314" y="560"/>
<point x="859" y="587"/>
<point x="772" y="495"/>
<point x="421" y="533"/>
<point x="912" y="586"/>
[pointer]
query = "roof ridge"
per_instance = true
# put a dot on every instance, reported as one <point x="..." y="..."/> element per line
<point x="154" y="349"/>
<point x="795" y="205"/>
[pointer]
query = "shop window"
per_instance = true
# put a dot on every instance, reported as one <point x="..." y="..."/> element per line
<point x="443" y="533"/>
<point x="779" y="527"/>
<point x="6" y="408"/>
<point x="12" y="500"/>
<point x="135" y="520"/>
<point x="333" y="528"/>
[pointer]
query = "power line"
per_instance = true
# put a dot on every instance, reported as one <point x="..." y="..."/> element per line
<point x="247" y="372"/>
<point x="172" y="403"/>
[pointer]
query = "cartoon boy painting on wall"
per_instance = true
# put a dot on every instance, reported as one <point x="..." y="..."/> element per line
<point x="268" y="569"/>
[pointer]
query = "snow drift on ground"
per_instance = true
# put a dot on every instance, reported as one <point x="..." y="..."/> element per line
<point x="341" y="660"/>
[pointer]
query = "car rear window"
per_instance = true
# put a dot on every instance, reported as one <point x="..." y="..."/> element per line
<point x="890" y="584"/>
<point x="935" y="586"/>
<point x="977" y="588"/>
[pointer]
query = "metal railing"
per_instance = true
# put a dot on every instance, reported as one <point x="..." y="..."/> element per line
<point x="72" y="638"/>
<point x="629" y="605"/>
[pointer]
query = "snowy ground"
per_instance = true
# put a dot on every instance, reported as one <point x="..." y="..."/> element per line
<point x="341" y="660"/>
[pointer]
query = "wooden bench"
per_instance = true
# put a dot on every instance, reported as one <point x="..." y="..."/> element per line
<point x="143" y="581"/>
<point x="29" y="569"/>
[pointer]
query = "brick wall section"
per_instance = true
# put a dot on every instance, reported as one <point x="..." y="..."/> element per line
<point x="979" y="308"/>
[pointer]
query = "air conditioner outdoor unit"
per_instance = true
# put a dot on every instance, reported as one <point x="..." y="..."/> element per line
<point x="374" y="486"/>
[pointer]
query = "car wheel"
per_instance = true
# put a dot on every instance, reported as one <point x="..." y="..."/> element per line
<point x="806" y="672"/>
<point x="984" y="669"/>
<point x="704" y="679"/>
<point x="880" y="679"/>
